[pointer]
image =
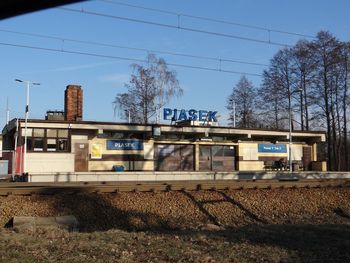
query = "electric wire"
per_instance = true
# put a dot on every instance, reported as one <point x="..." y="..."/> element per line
<point x="125" y="58"/>
<point x="206" y="18"/>
<point x="64" y="39"/>
<point x="179" y="27"/>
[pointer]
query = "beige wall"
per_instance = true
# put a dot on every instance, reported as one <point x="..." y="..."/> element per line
<point x="147" y="153"/>
<point x="50" y="162"/>
<point x="251" y="165"/>
<point x="249" y="152"/>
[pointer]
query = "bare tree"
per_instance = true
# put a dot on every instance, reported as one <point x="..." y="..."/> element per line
<point x="150" y="87"/>
<point x="304" y="68"/>
<point x="325" y="49"/>
<point x="271" y="101"/>
<point x="243" y="99"/>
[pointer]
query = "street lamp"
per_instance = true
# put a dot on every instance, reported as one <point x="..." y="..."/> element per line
<point x="234" y="112"/>
<point x="27" y="82"/>
<point x="290" y="126"/>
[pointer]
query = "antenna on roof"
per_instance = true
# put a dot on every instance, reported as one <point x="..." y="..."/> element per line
<point x="7" y="111"/>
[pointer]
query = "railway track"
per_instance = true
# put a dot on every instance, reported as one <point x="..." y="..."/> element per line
<point x="115" y="187"/>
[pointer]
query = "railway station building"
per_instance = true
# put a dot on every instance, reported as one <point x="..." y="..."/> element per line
<point x="64" y="143"/>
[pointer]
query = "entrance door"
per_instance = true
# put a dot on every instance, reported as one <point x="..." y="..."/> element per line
<point x="216" y="158"/>
<point x="173" y="157"/>
<point x="205" y="158"/>
<point x="307" y="158"/>
<point x="81" y="157"/>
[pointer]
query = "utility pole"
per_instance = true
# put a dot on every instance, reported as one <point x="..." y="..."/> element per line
<point x="27" y="82"/>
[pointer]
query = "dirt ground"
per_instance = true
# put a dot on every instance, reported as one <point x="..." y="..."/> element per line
<point x="279" y="225"/>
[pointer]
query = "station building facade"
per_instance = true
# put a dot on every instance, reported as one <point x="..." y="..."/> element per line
<point x="82" y="146"/>
<point x="64" y="143"/>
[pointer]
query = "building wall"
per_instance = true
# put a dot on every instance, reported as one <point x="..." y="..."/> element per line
<point x="131" y="160"/>
<point x="251" y="159"/>
<point x="50" y="162"/>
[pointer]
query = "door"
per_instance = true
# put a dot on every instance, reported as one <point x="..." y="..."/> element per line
<point x="187" y="157"/>
<point x="217" y="158"/>
<point x="174" y="157"/>
<point x="81" y="157"/>
<point x="307" y="158"/>
<point x="205" y="158"/>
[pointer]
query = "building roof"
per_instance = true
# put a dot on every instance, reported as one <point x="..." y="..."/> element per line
<point x="233" y="133"/>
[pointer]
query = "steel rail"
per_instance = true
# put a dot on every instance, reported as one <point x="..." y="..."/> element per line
<point x="159" y="186"/>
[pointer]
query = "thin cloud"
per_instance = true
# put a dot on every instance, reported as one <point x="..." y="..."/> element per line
<point x="118" y="78"/>
<point x="72" y="68"/>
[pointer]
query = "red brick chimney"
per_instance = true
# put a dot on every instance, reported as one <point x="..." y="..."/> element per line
<point x="73" y="103"/>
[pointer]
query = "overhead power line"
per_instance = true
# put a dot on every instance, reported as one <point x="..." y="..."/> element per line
<point x="125" y="58"/>
<point x="266" y="29"/>
<point x="64" y="39"/>
<point x="179" y="27"/>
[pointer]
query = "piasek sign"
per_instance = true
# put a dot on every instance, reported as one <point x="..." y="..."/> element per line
<point x="190" y="115"/>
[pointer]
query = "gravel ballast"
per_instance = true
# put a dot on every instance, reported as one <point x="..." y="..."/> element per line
<point x="270" y="225"/>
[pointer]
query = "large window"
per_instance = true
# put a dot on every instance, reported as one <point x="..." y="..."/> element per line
<point x="47" y="140"/>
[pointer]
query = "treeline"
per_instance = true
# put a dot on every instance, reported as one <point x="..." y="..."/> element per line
<point x="309" y="80"/>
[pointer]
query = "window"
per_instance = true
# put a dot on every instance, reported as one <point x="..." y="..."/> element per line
<point x="39" y="133"/>
<point x="47" y="140"/>
<point x="51" y="145"/>
<point x="63" y="133"/>
<point x="51" y="133"/>
<point x="62" y="145"/>
<point x="217" y="150"/>
<point x="229" y="151"/>
<point x="38" y="145"/>
<point x="166" y="149"/>
<point x="29" y="132"/>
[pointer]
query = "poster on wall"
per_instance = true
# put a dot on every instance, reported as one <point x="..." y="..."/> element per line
<point x="96" y="151"/>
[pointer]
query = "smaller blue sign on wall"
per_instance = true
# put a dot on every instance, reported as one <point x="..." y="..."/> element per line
<point x="125" y="145"/>
<point x="272" y="148"/>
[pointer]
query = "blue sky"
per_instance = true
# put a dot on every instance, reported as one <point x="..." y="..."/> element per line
<point x="102" y="78"/>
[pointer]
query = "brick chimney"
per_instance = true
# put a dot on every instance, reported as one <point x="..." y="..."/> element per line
<point x="73" y="103"/>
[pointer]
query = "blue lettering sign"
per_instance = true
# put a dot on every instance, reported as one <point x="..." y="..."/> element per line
<point x="182" y="115"/>
<point x="125" y="145"/>
<point x="191" y="115"/>
<point x="167" y="113"/>
<point x="211" y="116"/>
<point x="272" y="148"/>
<point x="203" y="115"/>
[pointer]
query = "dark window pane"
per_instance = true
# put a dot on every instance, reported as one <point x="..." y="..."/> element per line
<point x="204" y="151"/>
<point x="62" y="145"/>
<point x="217" y="150"/>
<point x="29" y="144"/>
<point x="229" y="151"/>
<point x="38" y="144"/>
<point x="166" y="150"/>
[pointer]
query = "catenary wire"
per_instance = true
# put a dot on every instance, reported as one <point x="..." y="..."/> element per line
<point x="179" y="27"/>
<point x="126" y="58"/>
<point x="132" y="48"/>
<point x="206" y="19"/>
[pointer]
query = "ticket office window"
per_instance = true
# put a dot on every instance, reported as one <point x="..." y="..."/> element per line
<point x="47" y="140"/>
